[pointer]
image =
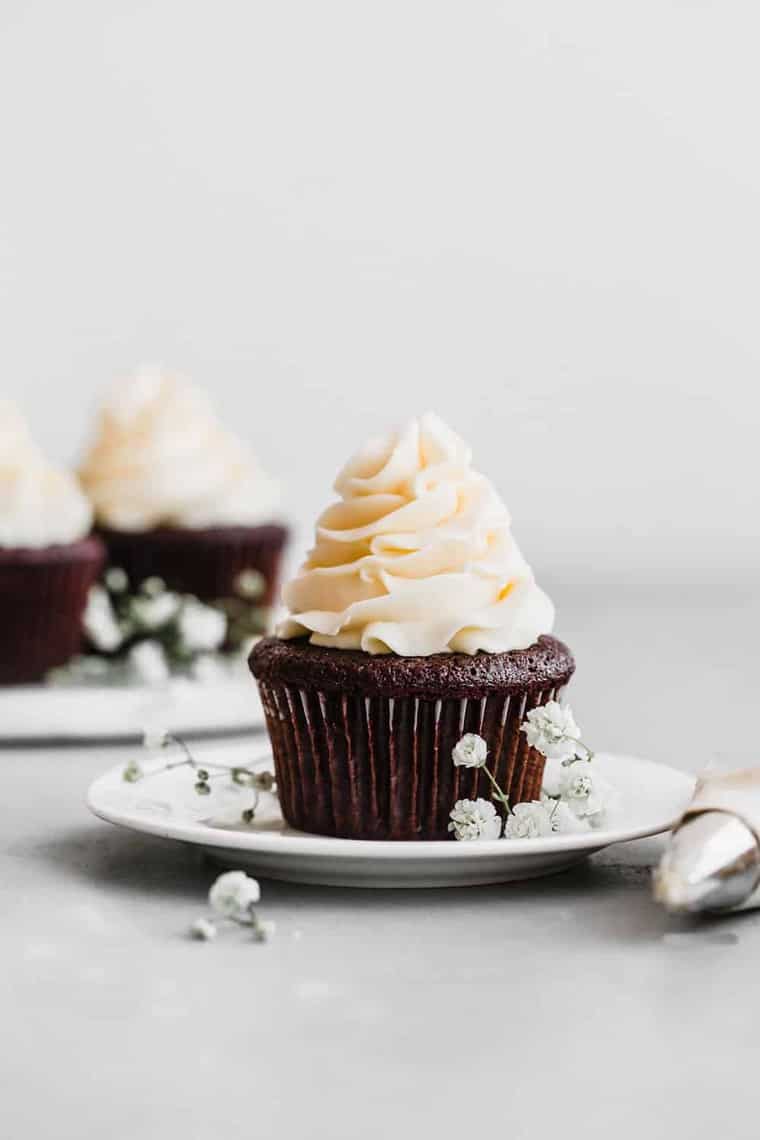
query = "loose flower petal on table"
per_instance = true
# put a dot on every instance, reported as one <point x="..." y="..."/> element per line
<point x="203" y="930"/>
<point x="233" y="895"/>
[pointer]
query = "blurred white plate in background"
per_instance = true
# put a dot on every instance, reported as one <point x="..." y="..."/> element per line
<point x="122" y="712"/>
<point x="651" y="798"/>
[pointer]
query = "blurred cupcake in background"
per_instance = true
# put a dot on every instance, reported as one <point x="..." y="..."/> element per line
<point x="181" y="502"/>
<point x="189" y="522"/>
<point x="178" y="496"/>
<point x="48" y="559"/>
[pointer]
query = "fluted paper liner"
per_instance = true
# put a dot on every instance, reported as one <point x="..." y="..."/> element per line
<point x="43" y="594"/>
<point x="376" y="767"/>
<point x="205" y="563"/>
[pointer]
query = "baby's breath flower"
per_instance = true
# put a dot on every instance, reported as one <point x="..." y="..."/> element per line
<point x="263" y="929"/>
<point x="475" y="819"/>
<point x="116" y="580"/>
<point x="263" y="781"/>
<point x="203" y="930"/>
<point x="528" y="821"/>
<point x="249" y="584"/>
<point x="148" y="662"/>
<point x="564" y="820"/>
<point x="132" y="772"/>
<point x="551" y="729"/>
<point x="584" y="791"/>
<point x="153" y="586"/>
<point x="551" y="784"/>
<point x="154" y="611"/>
<point x="155" y="738"/>
<point x="99" y="621"/>
<point x="201" y="628"/>
<point x="234" y="895"/>
<point x="470" y="752"/>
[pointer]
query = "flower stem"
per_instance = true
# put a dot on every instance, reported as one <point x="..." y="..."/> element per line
<point x="585" y="747"/>
<point x="170" y="764"/>
<point x="188" y="754"/>
<point x="497" y="793"/>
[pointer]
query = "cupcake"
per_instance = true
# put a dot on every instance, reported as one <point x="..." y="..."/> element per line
<point x="414" y="620"/>
<point x="48" y="561"/>
<point x="177" y="497"/>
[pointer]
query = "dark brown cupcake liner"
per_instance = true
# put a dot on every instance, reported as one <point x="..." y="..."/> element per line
<point x="206" y="563"/>
<point x="378" y="767"/>
<point x="43" y="594"/>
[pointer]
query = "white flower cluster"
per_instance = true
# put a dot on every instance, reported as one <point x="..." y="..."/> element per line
<point x="551" y="728"/>
<point x="574" y="796"/>
<point x="153" y="628"/>
<point x="99" y="621"/>
<point x="470" y="752"/>
<point x="580" y="786"/>
<point x="201" y="628"/>
<point x="233" y="896"/>
<point x="543" y="817"/>
<point x="475" y="819"/>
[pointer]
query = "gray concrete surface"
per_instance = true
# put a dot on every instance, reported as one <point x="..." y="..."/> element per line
<point x="566" y="1007"/>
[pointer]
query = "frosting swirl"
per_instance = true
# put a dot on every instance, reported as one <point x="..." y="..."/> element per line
<point x="161" y="458"/>
<point x="40" y="505"/>
<point x="417" y="557"/>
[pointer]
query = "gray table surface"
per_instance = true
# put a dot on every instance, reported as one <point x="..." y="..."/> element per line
<point x="569" y="1006"/>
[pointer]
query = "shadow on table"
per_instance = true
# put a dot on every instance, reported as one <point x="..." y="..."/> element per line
<point x="609" y="895"/>
<point x="119" y="859"/>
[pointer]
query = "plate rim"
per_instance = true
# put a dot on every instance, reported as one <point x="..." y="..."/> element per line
<point x="387" y="850"/>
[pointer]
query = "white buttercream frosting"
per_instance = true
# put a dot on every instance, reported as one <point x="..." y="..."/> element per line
<point x="40" y="504"/>
<point x="417" y="557"/>
<point x="161" y="458"/>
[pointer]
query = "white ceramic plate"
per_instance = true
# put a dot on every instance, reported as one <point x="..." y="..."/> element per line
<point x="651" y="798"/>
<point x="121" y="712"/>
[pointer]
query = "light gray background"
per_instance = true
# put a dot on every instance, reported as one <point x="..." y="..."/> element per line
<point x="540" y="220"/>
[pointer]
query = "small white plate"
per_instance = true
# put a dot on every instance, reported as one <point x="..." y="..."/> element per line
<point x="651" y="798"/>
<point x="34" y="713"/>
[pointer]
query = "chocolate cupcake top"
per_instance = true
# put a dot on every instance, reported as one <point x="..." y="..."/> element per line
<point x="161" y="458"/>
<point x="40" y="505"/>
<point x="545" y="666"/>
<point x="417" y="557"/>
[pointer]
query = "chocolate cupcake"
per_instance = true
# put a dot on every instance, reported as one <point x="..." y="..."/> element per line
<point x="179" y="498"/>
<point x="414" y="620"/>
<point x="47" y="560"/>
